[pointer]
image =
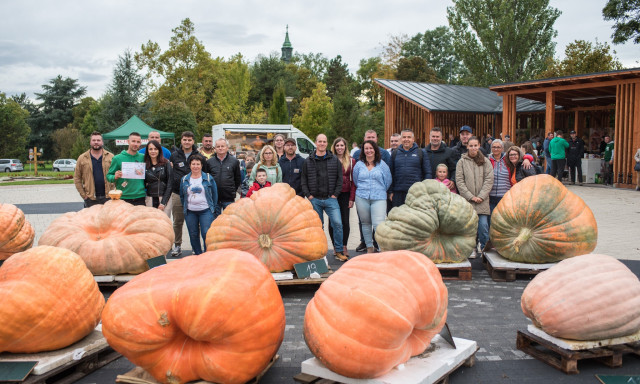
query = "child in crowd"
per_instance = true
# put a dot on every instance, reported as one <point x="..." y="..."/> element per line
<point x="441" y="175"/>
<point x="261" y="182"/>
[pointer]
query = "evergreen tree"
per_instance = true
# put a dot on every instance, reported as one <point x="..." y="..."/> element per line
<point x="346" y="111"/>
<point x="124" y="93"/>
<point x="316" y="112"/>
<point x="278" y="113"/>
<point x="626" y="14"/>
<point x="337" y="76"/>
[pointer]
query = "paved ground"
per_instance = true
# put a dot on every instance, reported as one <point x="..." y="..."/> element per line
<point x="481" y="309"/>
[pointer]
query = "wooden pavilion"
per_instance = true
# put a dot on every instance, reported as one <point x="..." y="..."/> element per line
<point x="591" y="104"/>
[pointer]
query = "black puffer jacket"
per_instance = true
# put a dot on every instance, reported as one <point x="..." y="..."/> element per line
<point x="157" y="181"/>
<point x="321" y="176"/>
<point x="227" y="176"/>
<point x="442" y="155"/>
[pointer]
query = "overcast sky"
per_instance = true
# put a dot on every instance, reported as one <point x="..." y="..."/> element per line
<point x="82" y="39"/>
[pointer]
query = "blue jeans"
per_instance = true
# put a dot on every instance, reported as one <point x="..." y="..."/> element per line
<point x="198" y="222"/>
<point x="493" y="202"/>
<point x="483" y="230"/>
<point x="371" y="213"/>
<point x="331" y="207"/>
<point x="217" y="211"/>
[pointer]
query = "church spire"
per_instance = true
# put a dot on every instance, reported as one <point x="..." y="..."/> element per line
<point x="287" y="49"/>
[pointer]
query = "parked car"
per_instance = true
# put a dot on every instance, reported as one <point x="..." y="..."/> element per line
<point x="11" y="165"/>
<point x="64" y="165"/>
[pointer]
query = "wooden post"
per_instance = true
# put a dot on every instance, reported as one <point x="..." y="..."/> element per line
<point x="35" y="160"/>
<point x="550" y="113"/>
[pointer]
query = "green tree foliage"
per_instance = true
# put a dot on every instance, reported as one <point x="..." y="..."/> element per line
<point x="346" y="112"/>
<point x="266" y="73"/>
<point x="124" y="94"/>
<point x="316" y="113"/>
<point x="436" y="47"/>
<point x="278" y="113"/>
<point x="64" y="140"/>
<point x="316" y="63"/>
<point x="580" y="57"/>
<point x="626" y="14"/>
<point x="81" y="110"/>
<point x="337" y="76"/>
<point x="370" y="119"/>
<point x="174" y="116"/>
<point x="369" y="70"/>
<point x="232" y="94"/>
<point x="14" y="129"/>
<point x="416" y="68"/>
<point x="185" y="72"/>
<point x="79" y="147"/>
<point x="55" y="111"/>
<point x="503" y="41"/>
<point x="392" y="51"/>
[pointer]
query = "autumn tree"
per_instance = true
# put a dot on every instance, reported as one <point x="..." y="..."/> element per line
<point x="416" y="68"/>
<point x="13" y="128"/>
<point x="502" y="41"/>
<point x="626" y="14"/>
<point x="316" y="113"/>
<point x="580" y="57"/>
<point x="392" y="50"/>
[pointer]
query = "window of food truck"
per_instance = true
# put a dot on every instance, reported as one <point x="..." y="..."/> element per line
<point x="248" y="141"/>
<point x="305" y="146"/>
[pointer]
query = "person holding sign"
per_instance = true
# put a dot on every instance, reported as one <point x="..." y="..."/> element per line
<point x="127" y="171"/>
<point x="198" y="194"/>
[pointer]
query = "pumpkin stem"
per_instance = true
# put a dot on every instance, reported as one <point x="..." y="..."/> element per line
<point x="164" y="320"/>
<point x="523" y="237"/>
<point x="265" y="241"/>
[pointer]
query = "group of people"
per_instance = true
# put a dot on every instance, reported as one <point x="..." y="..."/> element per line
<point x="195" y="186"/>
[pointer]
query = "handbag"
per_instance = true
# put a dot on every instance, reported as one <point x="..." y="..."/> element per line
<point x="637" y="167"/>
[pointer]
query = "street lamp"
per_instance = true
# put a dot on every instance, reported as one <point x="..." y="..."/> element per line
<point x="289" y="99"/>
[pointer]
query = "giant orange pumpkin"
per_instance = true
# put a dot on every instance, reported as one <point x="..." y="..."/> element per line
<point x="16" y="234"/>
<point x="589" y="297"/>
<point x="49" y="300"/>
<point x="113" y="238"/>
<point x="540" y="221"/>
<point x="376" y="312"/>
<point x="217" y="316"/>
<point x="275" y="225"/>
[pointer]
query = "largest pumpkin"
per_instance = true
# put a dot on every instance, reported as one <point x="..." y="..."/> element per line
<point x="376" y="312"/>
<point x="274" y="225"/>
<point x="16" y="234"/>
<point x="49" y="300"/>
<point x="113" y="238"/>
<point x="433" y="221"/>
<point x="540" y="221"/>
<point x="217" y="316"/>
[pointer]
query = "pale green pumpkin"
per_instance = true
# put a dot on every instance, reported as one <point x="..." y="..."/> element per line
<point x="433" y="221"/>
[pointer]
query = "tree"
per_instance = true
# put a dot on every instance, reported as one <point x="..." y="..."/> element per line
<point x="416" y="68"/>
<point x="266" y="73"/>
<point x="317" y="63"/>
<point x="392" y="51"/>
<point x="626" y="14"/>
<point x="80" y="111"/>
<point x="436" y="47"/>
<point x="337" y="76"/>
<point x="503" y="41"/>
<point x="278" y="113"/>
<point x="582" y="56"/>
<point x="124" y="94"/>
<point x="63" y="141"/>
<point x="54" y="112"/>
<point x="315" y="117"/>
<point x="14" y="129"/>
<point x="369" y="70"/>
<point x="346" y="112"/>
<point x="174" y="116"/>
<point x="231" y="97"/>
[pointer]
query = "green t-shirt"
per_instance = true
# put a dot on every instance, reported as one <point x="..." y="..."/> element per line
<point x="131" y="188"/>
<point x="557" y="148"/>
<point x="608" y="151"/>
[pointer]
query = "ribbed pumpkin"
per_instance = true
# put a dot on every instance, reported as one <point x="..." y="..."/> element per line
<point x="274" y="225"/>
<point x="16" y="234"/>
<point x="589" y="297"/>
<point x="49" y="300"/>
<point x="217" y="316"/>
<point x="113" y="238"/>
<point x="540" y="221"/>
<point x="376" y="312"/>
<point x="433" y="221"/>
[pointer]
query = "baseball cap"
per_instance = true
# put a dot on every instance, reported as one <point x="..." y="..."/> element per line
<point x="572" y="132"/>
<point x="290" y="140"/>
<point x="466" y="128"/>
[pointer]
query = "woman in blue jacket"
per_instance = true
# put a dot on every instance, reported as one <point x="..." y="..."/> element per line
<point x="372" y="178"/>
<point x="198" y="194"/>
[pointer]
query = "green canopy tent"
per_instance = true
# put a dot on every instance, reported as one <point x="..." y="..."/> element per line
<point x="134" y="124"/>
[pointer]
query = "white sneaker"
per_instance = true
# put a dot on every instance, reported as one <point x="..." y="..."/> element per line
<point x="473" y="254"/>
<point x="176" y="251"/>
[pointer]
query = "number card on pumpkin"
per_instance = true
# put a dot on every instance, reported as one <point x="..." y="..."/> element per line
<point x="156" y="261"/>
<point x="306" y="269"/>
<point x="16" y="370"/>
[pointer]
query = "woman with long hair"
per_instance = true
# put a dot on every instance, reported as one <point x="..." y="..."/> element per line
<point x="372" y="178"/>
<point x="269" y="163"/>
<point x="516" y="171"/>
<point x="158" y="177"/>
<point x="346" y="198"/>
<point x="278" y="145"/>
<point x="474" y="180"/>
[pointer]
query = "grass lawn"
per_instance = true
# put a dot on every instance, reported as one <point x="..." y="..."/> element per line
<point x="44" y="170"/>
<point x="36" y="182"/>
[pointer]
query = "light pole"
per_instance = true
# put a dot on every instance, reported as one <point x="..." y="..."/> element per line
<point x="289" y="99"/>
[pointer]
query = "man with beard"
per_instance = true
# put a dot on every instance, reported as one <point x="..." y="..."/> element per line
<point x="439" y="153"/>
<point x="291" y="165"/>
<point x="133" y="191"/>
<point x="207" y="149"/>
<point x="90" y="176"/>
<point x="461" y="148"/>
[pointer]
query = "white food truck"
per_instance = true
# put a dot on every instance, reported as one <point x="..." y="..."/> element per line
<point x="252" y="137"/>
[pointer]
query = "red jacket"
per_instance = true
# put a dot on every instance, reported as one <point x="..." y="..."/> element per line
<point x="256" y="187"/>
<point x="347" y="181"/>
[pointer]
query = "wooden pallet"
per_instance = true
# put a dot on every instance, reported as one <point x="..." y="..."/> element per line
<point x="74" y="370"/>
<point x="305" y="378"/>
<point x="567" y="360"/>
<point x="502" y="274"/>
<point x="297" y="281"/>
<point x="455" y="273"/>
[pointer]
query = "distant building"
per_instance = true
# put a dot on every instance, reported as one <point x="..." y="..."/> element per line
<point x="287" y="49"/>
